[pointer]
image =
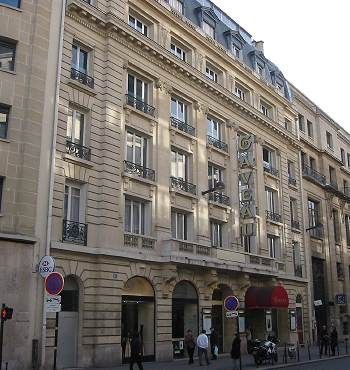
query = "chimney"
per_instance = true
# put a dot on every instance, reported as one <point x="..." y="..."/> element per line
<point x="259" y="45"/>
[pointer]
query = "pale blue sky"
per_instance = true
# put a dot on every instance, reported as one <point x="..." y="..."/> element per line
<point x="309" y="40"/>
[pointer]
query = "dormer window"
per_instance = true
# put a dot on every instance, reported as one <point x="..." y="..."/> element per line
<point x="260" y="69"/>
<point x="138" y="25"/>
<point x="236" y="51"/>
<point x="208" y="29"/>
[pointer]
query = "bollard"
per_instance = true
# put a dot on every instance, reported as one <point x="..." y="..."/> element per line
<point x="298" y="354"/>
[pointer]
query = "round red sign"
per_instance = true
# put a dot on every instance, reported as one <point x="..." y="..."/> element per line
<point x="54" y="283"/>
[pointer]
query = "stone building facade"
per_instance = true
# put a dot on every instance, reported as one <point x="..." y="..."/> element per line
<point x="158" y="104"/>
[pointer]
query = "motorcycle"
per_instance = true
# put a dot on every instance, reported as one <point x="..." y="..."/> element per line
<point x="264" y="351"/>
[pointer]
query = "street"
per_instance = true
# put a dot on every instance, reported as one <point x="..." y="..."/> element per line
<point x="334" y="364"/>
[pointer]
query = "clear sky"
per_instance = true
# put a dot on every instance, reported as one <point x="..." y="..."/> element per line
<point x="309" y="40"/>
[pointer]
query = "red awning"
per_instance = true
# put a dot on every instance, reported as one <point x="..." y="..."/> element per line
<point x="271" y="297"/>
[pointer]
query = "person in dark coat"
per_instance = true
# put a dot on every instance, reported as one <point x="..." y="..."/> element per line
<point x="334" y="340"/>
<point x="324" y="340"/>
<point x="214" y="342"/>
<point x="236" y="351"/>
<point x="136" y="351"/>
<point x="190" y="345"/>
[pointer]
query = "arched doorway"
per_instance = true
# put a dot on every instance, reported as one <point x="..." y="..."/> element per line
<point x="68" y="324"/>
<point x="223" y="327"/>
<point x="299" y="317"/>
<point x="138" y="312"/>
<point x="184" y="314"/>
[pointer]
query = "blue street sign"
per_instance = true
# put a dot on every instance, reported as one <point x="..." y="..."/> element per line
<point x="340" y="299"/>
<point x="231" y="303"/>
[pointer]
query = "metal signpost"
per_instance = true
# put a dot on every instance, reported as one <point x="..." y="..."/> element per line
<point x="231" y="304"/>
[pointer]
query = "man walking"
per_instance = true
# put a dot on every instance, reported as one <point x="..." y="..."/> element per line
<point x="190" y="345"/>
<point x="324" y="340"/>
<point x="334" y="340"/>
<point x="203" y="344"/>
<point x="136" y="351"/>
<point x="214" y="344"/>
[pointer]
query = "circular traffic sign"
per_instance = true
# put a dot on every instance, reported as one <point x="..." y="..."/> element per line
<point x="231" y="303"/>
<point x="54" y="283"/>
<point x="46" y="265"/>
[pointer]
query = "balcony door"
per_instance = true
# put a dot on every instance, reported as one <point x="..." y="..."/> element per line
<point x="76" y="127"/>
<point x="137" y="88"/>
<point x="214" y="129"/>
<point x="136" y="149"/>
<point x="80" y="59"/>
<point x="73" y="203"/>
<point x="178" y="165"/>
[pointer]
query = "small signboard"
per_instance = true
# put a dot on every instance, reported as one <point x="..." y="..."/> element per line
<point x="53" y="303"/>
<point x="54" y="283"/>
<point x="340" y="299"/>
<point x="231" y="314"/>
<point x="318" y="302"/>
<point x="231" y="303"/>
<point x="46" y="266"/>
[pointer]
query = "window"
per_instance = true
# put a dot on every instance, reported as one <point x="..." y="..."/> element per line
<point x="179" y="109"/>
<point x="138" y="25"/>
<point x="342" y="155"/>
<point x="347" y="229"/>
<point x="208" y="29"/>
<point x="298" y="269"/>
<point x="329" y="140"/>
<point x="287" y="124"/>
<point x="211" y="74"/>
<point x="260" y="69"/>
<point x="75" y="127"/>
<point x="136" y="148"/>
<point x="214" y="129"/>
<point x="179" y="165"/>
<point x="236" y="51"/>
<point x="310" y="130"/>
<point x="215" y="174"/>
<point x="348" y="155"/>
<point x="303" y="159"/>
<point x="314" y="217"/>
<point x="14" y="3"/>
<point x="312" y="162"/>
<point x="7" y="55"/>
<point x="340" y="271"/>
<point x="280" y="87"/>
<point x="248" y="243"/>
<point x="268" y="158"/>
<point x="216" y="234"/>
<point x="293" y="209"/>
<point x="336" y="226"/>
<point x="1" y="191"/>
<point x="177" y="51"/>
<point x="332" y="175"/>
<point x="273" y="245"/>
<point x="4" y="118"/>
<point x="79" y="59"/>
<point x="177" y="5"/>
<point x="301" y="121"/>
<point x="73" y="204"/>
<point x="137" y="88"/>
<point x="134" y="216"/>
<point x="345" y="187"/>
<point x="178" y="225"/>
<point x="271" y="200"/>
<point x="291" y="170"/>
<point x="240" y="92"/>
<point x="265" y="109"/>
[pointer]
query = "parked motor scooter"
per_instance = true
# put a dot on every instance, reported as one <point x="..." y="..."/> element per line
<point x="265" y="351"/>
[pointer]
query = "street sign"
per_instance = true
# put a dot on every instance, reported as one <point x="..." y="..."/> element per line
<point x="340" y="299"/>
<point x="54" y="283"/>
<point x="231" y="303"/>
<point x="318" y="302"/>
<point x="53" y="303"/>
<point x="46" y="266"/>
<point x="231" y="314"/>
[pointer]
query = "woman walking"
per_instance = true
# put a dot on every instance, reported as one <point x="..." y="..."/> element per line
<point x="236" y="351"/>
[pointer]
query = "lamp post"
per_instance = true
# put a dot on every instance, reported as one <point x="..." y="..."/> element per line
<point x="218" y="186"/>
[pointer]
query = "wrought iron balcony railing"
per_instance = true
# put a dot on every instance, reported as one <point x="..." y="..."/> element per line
<point x="292" y="181"/>
<point x="295" y="225"/>
<point x="217" y="143"/>
<point x="314" y="175"/>
<point x="180" y="184"/>
<point x="82" y="78"/>
<point x="182" y="126"/>
<point x="272" y="216"/>
<point x="269" y="169"/>
<point x="74" y="232"/>
<point x="78" y="150"/>
<point x="316" y="232"/>
<point x="219" y="198"/>
<point x="140" y="105"/>
<point x="140" y="171"/>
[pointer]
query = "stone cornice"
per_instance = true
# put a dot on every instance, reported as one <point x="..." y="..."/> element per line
<point x="117" y="29"/>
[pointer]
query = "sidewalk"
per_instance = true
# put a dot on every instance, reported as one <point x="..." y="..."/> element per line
<point x="225" y="362"/>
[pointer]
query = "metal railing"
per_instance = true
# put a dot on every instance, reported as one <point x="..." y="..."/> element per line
<point x="295" y="224"/>
<point x="273" y="171"/>
<point x="182" y="126"/>
<point x="138" y="170"/>
<point x="217" y="143"/>
<point x="272" y="216"/>
<point x="140" y="105"/>
<point x="74" y="232"/>
<point x="219" y="198"/>
<point x="314" y="175"/>
<point x="78" y="150"/>
<point x="317" y="232"/>
<point x="180" y="184"/>
<point x="292" y="181"/>
<point x="82" y="78"/>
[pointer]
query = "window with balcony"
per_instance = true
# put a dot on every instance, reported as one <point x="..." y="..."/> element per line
<point x="2" y="180"/>
<point x="301" y="120"/>
<point x="340" y="271"/>
<point x="347" y="229"/>
<point x="4" y="119"/>
<point x="272" y="207"/>
<point x="294" y="214"/>
<point x="310" y="129"/>
<point x="178" y="51"/>
<point x="269" y="161"/>
<point x="329" y="139"/>
<point x="179" y="224"/>
<point x="273" y="245"/>
<point x="342" y="155"/>
<point x="138" y="25"/>
<point x="138" y="94"/>
<point x="7" y="55"/>
<point x="179" y="165"/>
<point x="135" y="216"/>
<point x="291" y="173"/>
<point x="248" y="243"/>
<point x="336" y="226"/>
<point x="177" y="5"/>
<point x="180" y="116"/>
<point x="211" y="73"/>
<point x="315" y="225"/>
<point x="208" y="29"/>
<point x="298" y="269"/>
<point x="216" y="234"/>
<point x="215" y="174"/>
<point x="214" y="129"/>
<point x="80" y="69"/>
<point x="14" y="3"/>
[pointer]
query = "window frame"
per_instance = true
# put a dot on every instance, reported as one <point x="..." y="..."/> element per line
<point x="18" y="6"/>
<point x="176" y="164"/>
<point x="297" y="258"/>
<point x="174" y="3"/>
<point x="274" y="246"/>
<point x="10" y="44"/>
<point x="141" y="205"/>
<point x="211" y="73"/>
<point x="272" y="203"/>
<point x="81" y="48"/>
<point x="211" y="122"/>
<point x="310" y="129"/>
<point x="67" y="208"/>
<point x="145" y="96"/>
<point x="144" y="27"/>
<point x="82" y="130"/>
<point x="207" y="26"/>
<point x="177" y="216"/>
<point x="5" y="109"/>
<point x="174" y="51"/>
<point x="178" y="102"/>
<point x="216" y="233"/>
<point x="143" y="148"/>
<point x="214" y="170"/>
<point x="329" y="140"/>
<point x="301" y="121"/>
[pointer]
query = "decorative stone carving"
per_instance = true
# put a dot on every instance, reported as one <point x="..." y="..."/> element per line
<point x="200" y="107"/>
<point x="163" y="36"/>
<point x="164" y="86"/>
<point x="199" y="61"/>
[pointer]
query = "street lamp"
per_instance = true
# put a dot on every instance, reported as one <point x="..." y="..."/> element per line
<point x="218" y="186"/>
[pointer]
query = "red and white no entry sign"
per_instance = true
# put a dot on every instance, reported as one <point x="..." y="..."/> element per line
<point x="54" y="283"/>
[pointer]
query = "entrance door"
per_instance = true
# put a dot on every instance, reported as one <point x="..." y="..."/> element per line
<point x="67" y="340"/>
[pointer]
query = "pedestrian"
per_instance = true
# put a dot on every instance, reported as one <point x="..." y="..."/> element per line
<point x="324" y="340"/>
<point x="190" y="345"/>
<point x="214" y="344"/>
<point x="123" y="344"/>
<point x="236" y="351"/>
<point x="136" y="351"/>
<point x="203" y="344"/>
<point x="334" y="340"/>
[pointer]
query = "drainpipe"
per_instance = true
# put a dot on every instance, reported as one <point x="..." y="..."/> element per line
<point x="52" y="170"/>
